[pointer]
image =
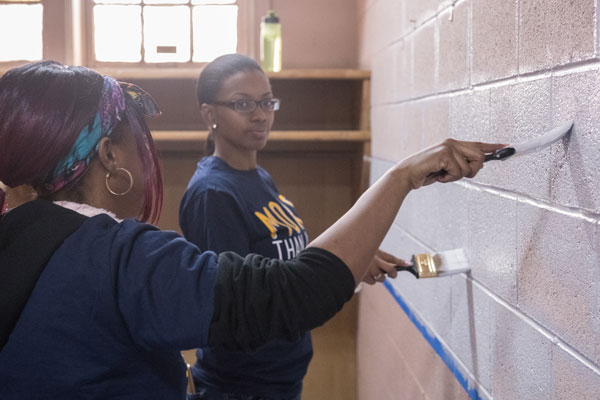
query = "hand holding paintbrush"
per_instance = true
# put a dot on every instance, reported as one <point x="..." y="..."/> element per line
<point x="425" y="265"/>
<point x="383" y="264"/>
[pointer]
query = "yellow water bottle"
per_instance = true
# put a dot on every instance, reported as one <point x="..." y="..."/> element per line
<point x="270" y="42"/>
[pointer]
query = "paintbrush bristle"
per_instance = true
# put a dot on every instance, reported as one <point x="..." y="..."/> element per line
<point x="433" y="265"/>
<point x="451" y="262"/>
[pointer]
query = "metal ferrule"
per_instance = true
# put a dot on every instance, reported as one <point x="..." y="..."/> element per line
<point x="425" y="266"/>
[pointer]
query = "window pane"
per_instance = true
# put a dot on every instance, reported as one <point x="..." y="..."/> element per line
<point x="212" y="22"/>
<point x="166" y="1"/>
<point x="117" y="1"/>
<point x="118" y="33"/>
<point x="21" y="32"/>
<point x="167" y="34"/>
<point x="213" y="1"/>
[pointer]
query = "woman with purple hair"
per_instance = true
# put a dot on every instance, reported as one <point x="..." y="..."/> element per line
<point x="95" y="303"/>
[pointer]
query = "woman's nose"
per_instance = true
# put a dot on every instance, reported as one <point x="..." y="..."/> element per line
<point x="259" y="114"/>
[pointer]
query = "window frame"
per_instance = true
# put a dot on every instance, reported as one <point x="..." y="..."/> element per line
<point x="246" y="32"/>
<point x="57" y="41"/>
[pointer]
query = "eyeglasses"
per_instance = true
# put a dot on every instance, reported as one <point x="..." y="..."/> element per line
<point x="249" y="106"/>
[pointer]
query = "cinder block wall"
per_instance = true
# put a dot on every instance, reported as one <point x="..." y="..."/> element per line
<point x="526" y="323"/>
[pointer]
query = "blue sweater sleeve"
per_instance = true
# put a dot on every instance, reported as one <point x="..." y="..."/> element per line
<point x="165" y="287"/>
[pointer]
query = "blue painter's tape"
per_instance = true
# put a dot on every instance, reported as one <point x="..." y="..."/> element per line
<point x="435" y="343"/>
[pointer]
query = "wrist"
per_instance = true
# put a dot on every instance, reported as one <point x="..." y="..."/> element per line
<point x="400" y="175"/>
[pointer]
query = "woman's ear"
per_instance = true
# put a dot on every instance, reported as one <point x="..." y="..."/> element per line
<point x="107" y="154"/>
<point x="207" y="111"/>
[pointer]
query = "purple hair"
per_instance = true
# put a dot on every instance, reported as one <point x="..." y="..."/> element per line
<point x="43" y="108"/>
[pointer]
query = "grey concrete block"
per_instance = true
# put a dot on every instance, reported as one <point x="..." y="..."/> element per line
<point x="555" y="32"/>
<point x="558" y="266"/>
<point x="494" y="40"/>
<point x="383" y="76"/>
<point x="470" y="116"/>
<point x="423" y="60"/>
<point x="572" y="378"/>
<point x="576" y="96"/>
<point x="436" y="126"/>
<point x="492" y="243"/>
<point x="521" y="359"/>
<point x="519" y="112"/>
<point x="471" y="334"/>
<point x="453" y="59"/>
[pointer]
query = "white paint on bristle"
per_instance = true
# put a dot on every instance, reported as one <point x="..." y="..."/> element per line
<point x="451" y="262"/>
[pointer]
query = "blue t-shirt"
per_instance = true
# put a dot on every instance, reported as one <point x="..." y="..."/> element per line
<point x="224" y="209"/>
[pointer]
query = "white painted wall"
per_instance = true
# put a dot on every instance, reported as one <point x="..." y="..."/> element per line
<point x="526" y="323"/>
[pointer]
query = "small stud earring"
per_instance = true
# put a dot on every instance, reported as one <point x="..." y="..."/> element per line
<point x="214" y="126"/>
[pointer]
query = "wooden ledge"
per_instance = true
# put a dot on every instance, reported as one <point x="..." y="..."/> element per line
<point x="193" y="73"/>
<point x="274" y="136"/>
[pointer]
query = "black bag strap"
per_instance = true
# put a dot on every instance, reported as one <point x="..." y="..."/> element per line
<point x="29" y="235"/>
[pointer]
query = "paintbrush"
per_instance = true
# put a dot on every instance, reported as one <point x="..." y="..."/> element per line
<point x="444" y="263"/>
<point x="525" y="147"/>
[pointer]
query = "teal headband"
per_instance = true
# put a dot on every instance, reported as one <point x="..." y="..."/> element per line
<point x="111" y="108"/>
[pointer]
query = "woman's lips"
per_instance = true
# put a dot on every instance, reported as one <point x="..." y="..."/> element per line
<point x="258" y="134"/>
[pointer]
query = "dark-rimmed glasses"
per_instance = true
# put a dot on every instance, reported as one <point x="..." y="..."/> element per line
<point x="249" y="106"/>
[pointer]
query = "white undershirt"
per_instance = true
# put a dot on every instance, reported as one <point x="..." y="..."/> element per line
<point x="85" y="209"/>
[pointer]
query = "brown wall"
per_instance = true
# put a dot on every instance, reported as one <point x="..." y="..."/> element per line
<point x="315" y="33"/>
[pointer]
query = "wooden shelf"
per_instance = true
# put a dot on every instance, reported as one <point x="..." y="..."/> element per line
<point x="311" y="99"/>
<point x="192" y="73"/>
<point x="275" y="136"/>
<point x="302" y="141"/>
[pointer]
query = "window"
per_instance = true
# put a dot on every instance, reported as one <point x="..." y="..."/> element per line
<point x="21" y="24"/>
<point x="125" y="33"/>
<point x="155" y="31"/>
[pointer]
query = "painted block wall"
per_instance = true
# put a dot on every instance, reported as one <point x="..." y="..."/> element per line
<point x="525" y="324"/>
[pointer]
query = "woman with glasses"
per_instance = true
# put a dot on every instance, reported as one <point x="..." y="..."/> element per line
<point x="232" y="204"/>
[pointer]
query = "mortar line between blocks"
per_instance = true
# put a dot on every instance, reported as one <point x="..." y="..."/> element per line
<point x="524" y="317"/>
<point x="405" y="36"/>
<point x="573" y="68"/>
<point x="573" y="212"/>
<point x="538" y="327"/>
<point x="443" y="7"/>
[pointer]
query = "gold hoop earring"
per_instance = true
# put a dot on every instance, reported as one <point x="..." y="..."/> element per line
<point x="122" y="193"/>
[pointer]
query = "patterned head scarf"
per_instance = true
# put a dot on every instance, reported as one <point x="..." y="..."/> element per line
<point x="111" y="108"/>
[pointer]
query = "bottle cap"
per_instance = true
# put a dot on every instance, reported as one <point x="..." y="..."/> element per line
<point x="271" y="18"/>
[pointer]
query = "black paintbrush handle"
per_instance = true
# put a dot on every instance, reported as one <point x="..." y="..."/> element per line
<point x="410" y="269"/>
<point x="501" y="154"/>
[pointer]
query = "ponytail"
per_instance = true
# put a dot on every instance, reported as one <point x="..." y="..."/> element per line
<point x="209" y="145"/>
<point x="2" y="201"/>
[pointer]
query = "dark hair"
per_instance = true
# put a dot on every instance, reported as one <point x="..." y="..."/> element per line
<point x="212" y="77"/>
<point x="43" y="108"/>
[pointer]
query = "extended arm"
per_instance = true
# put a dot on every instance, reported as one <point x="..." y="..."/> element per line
<point x="356" y="236"/>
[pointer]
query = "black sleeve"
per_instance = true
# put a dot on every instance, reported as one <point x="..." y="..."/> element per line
<point x="258" y="299"/>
